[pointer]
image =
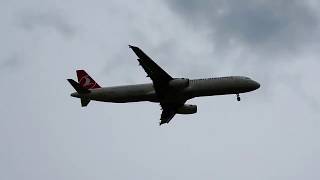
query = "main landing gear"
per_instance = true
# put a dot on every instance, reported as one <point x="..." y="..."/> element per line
<point x="238" y="97"/>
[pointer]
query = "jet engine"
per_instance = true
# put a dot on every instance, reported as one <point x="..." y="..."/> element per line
<point x="187" y="109"/>
<point x="179" y="83"/>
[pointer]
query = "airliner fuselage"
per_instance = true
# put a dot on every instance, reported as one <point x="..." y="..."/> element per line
<point x="196" y="88"/>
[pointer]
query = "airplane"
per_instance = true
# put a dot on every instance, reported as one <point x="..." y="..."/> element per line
<point x="172" y="93"/>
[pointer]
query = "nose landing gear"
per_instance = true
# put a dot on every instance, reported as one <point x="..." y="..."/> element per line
<point x="238" y="97"/>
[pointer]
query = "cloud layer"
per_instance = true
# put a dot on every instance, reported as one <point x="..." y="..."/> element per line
<point x="263" y="26"/>
<point x="271" y="134"/>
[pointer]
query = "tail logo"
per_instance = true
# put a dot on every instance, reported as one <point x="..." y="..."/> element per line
<point x="86" y="82"/>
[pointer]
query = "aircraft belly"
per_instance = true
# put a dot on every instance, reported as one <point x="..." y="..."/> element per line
<point x="124" y="95"/>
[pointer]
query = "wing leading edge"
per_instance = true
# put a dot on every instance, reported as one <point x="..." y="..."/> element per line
<point x="154" y="71"/>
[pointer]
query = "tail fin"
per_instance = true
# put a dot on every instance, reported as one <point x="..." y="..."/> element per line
<point x="86" y="81"/>
<point x="83" y="86"/>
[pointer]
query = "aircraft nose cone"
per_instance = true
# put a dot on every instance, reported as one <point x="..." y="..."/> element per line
<point x="257" y="85"/>
<point x="254" y="85"/>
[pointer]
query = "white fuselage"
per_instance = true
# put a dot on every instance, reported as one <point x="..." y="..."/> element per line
<point x="196" y="88"/>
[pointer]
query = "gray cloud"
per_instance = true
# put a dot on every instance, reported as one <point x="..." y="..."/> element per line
<point x="259" y="33"/>
<point x="32" y="20"/>
<point x="11" y="62"/>
<point x="263" y="26"/>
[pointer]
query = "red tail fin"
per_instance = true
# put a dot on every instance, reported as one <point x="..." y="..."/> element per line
<point x="86" y="81"/>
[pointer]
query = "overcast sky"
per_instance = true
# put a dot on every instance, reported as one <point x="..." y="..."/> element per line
<point x="273" y="133"/>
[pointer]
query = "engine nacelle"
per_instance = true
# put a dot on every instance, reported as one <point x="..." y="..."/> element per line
<point x="187" y="109"/>
<point x="179" y="83"/>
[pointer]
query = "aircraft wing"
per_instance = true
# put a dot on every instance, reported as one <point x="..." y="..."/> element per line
<point x="166" y="115"/>
<point x="169" y="110"/>
<point x="159" y="77"/>
<point x="160" y="80"/>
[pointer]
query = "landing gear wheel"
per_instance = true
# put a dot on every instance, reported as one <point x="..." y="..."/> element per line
<point x="238" y="97"/>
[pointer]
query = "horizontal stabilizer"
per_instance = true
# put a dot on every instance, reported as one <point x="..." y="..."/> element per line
<point x="78" y="87"/>
<point x="84" y="102"/>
